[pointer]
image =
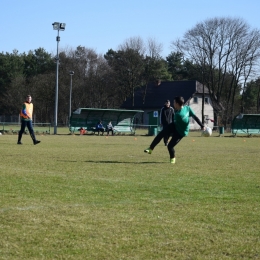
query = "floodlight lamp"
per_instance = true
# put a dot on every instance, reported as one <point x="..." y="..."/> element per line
<point x="62" y="26"/>
<point x="59" y="26"/>
<point x="56" y="26"/>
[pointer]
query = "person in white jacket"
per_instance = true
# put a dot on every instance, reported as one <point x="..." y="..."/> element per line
<point x="110" y="128"/>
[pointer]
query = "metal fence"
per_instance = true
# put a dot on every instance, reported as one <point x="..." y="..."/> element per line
<point x="11" y="127"/>
<point x="9" y="118"/>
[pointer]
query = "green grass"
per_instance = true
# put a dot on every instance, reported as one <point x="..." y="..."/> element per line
<point x="92" y="197"/>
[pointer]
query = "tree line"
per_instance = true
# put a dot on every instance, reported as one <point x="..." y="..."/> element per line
<point x="221" y="53"/>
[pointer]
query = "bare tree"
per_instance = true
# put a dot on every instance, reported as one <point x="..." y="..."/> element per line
<point x="258" y="96"/>
<point x="224" y="47"/>
<point x="154" y="48"/>
<point x="43" y="96"/>
<point x="251" y="54"/>
<point x="128" y="66"/>
<point x="92" y="84"/>
<point x="134" y="43"/>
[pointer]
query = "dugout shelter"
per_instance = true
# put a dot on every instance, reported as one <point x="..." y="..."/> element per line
<point x="87" y="118"/>
<point x="246" y="124"/>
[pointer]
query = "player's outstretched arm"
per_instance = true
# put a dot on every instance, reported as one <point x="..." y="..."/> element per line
<point x="199" y="122"/>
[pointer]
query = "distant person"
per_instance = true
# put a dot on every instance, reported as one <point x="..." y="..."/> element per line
<point x="100" y="127"/>
<point x="166" y="115"/>
<point x="82" y="131"/>
<point x="110" y="128"/>
<point x="26" y="120"/>
<point x="178" y="128"/>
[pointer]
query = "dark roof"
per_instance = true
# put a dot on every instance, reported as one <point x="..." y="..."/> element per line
<point x="156" y="95"/>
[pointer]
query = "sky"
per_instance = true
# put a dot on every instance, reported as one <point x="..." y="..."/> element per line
<point x="105" y="24"/>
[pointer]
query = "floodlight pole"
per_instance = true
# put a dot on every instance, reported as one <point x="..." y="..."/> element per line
<point x="57" y="26"/>
<point x="71" y="74"/>
<point x="57" y="86"/>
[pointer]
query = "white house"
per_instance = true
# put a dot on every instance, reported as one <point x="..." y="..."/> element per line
<point x="196" y="104"/>
<point x="153" y="96"/>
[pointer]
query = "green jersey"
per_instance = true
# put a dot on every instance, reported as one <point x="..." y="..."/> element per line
<point x="182" y="120"/>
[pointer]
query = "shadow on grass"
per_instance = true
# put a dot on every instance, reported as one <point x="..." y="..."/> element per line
<point x="112" y="162"/>
<point x="122" y="162"/>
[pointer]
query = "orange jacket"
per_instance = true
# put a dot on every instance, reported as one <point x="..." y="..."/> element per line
<point x="27" y="111"/>
<point x="82" y="131"/>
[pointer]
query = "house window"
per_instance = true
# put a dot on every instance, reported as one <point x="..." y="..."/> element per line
<point x="195" y="99"/>
<point x="206" y="100"/>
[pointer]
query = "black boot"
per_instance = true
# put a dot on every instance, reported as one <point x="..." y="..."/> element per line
<point x="34" y="139"/>
<point x="19" y="138"/>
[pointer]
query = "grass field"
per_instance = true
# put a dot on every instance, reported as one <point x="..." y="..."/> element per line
<point x="92" y="197"/>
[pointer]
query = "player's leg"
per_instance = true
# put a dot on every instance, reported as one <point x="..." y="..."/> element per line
<point x="166" y="131"/>
<point x="176" y="137"/>
<point x="166" y="137"/>
<point x="23" y="125"/>
<point x="30" y="128"/>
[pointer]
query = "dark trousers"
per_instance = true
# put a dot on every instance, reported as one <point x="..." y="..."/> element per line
<point x="27" y="124"/>
<point x="167" y="131"/>
<point x="108" y="130"/>
<point x="100" y="130"/>
<point x="166" y="136"/>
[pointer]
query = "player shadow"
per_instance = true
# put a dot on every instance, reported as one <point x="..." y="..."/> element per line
<point x="121" y="162"/>
<point x="91" y="161"/>
<point x="67" y="161"/>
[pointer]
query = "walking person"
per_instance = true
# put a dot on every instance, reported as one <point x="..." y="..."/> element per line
<point x="26" y="120"/>
<point x="166" y="116"/>
<point x="178" y="128"/>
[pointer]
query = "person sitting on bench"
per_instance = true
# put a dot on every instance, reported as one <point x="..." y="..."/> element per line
<point x="82" y="131"/>
<point x="110" y="128"/>
<point x="100" y="128"/>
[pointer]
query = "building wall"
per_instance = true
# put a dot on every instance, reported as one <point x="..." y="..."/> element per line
<point x="197" y="106"/>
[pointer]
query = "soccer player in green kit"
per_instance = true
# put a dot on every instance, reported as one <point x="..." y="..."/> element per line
<point x="178" y="128"/>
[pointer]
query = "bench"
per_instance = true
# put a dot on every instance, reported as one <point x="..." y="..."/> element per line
<point x="94" y="130"/>
<point x="122" y="129"/>
<point x="118" y="129"/>
<point x="246" y="124"/>
<point x="247" y="131"/>
<point x="122" y="120"/>
<point x="80" y="129"/>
